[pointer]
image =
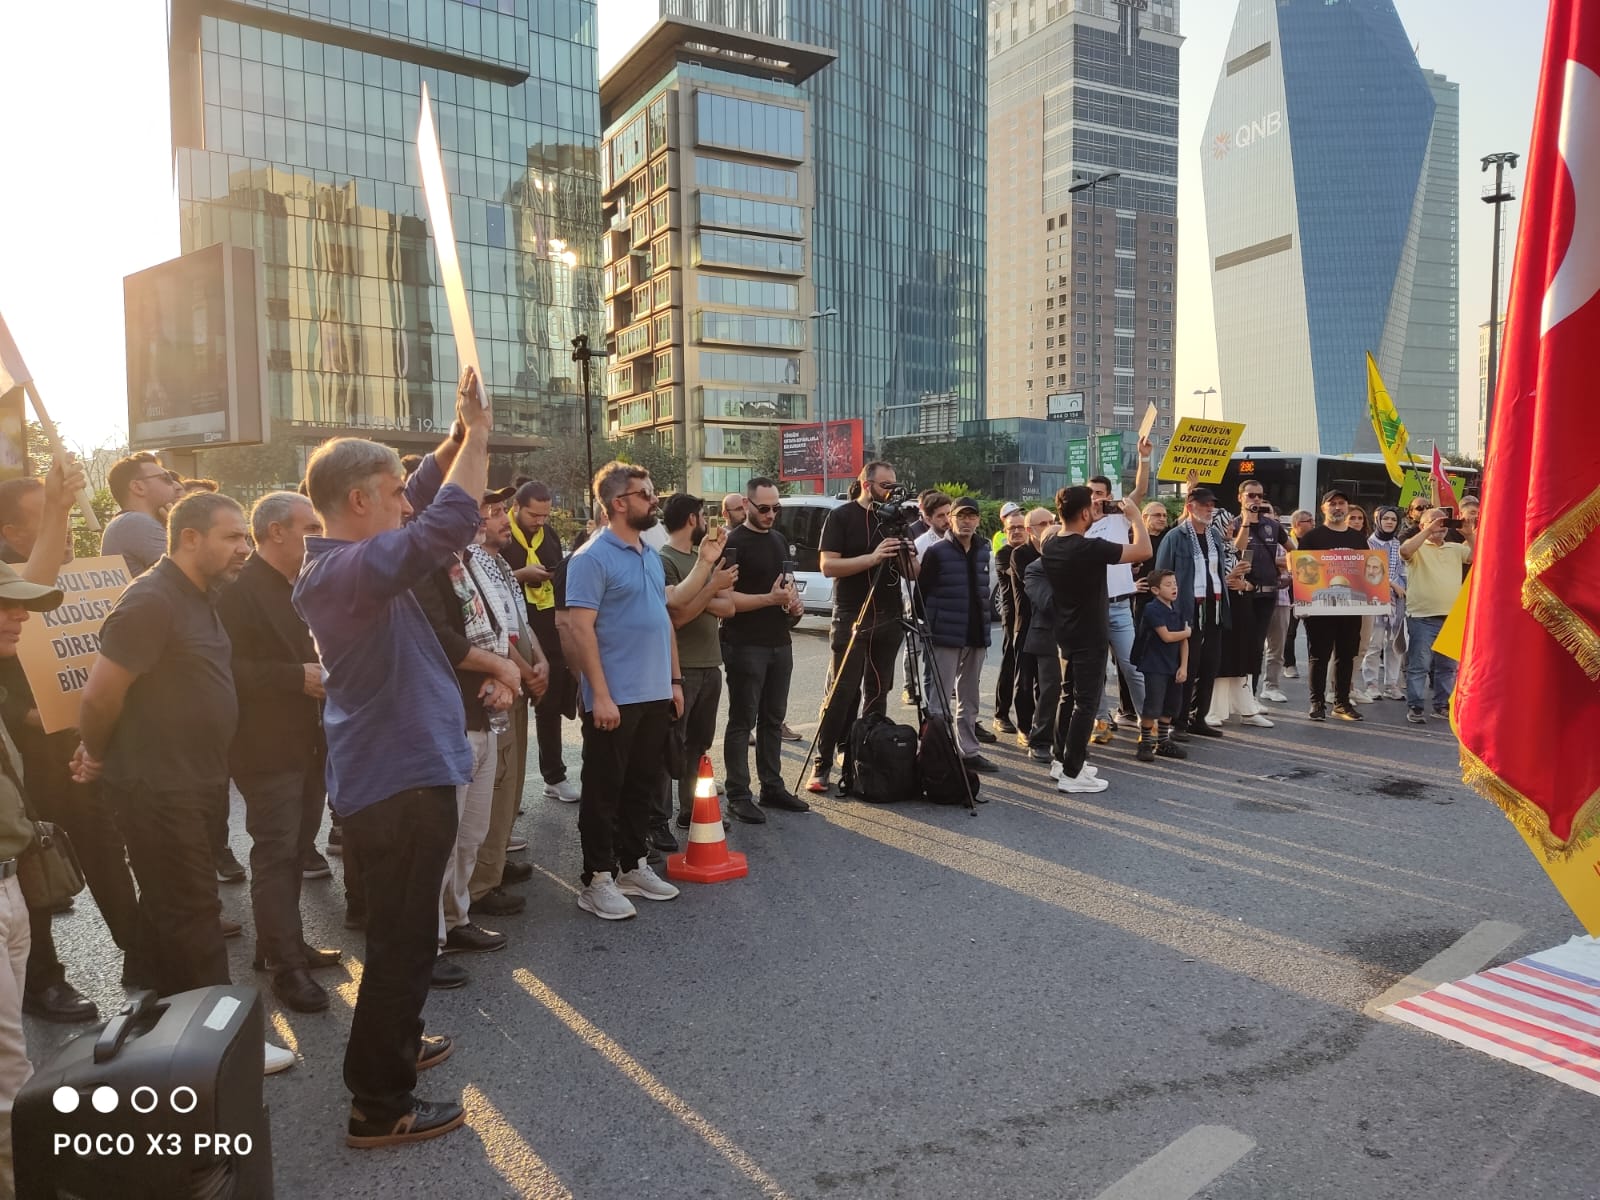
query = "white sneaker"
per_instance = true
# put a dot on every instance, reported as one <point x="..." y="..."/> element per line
<point x="1214" y="722"/>
<point x="642" y="881"/>
<point x="277" y="1059"/>
<point x="1257" y="720"/>
<point x="563" y="791"/>
<point x="604" y="900"/>
<point x="1290" y="673"/>
<point x="1056" y="768"/>
<point x="1274" y="696"/>
<point x="1083" y="782"/>
<point x="1394" y="693"/>
<point x="1362" y="696"/>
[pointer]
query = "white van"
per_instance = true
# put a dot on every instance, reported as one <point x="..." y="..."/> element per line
<point x="800" y="520"/>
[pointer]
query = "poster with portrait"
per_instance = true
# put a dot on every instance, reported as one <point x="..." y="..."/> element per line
<point x="1339" y="583"/>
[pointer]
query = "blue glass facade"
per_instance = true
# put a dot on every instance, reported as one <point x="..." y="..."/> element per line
<point x="294" y="131"/>
<point x="1359" y="114"/>
<point x="898" y="125"/>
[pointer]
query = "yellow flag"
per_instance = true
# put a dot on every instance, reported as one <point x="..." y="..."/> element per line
<point x="1386" y="423"/>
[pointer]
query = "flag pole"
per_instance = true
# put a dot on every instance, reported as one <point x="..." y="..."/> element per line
<point x="60" y="452"/>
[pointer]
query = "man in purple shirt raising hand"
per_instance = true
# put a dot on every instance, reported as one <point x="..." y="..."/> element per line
<point x="397" y="735"/>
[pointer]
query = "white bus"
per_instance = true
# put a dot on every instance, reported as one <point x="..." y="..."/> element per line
<point x="1294" y="481"/>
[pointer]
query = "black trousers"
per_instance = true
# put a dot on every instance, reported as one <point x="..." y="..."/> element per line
<point x="758" y="699"/>
<point x="1045" y="732"/>
<point x="1005" y="687"/>
<point x="278" y="809"/>
<point x="1082" y="690"/>
<point x="1289" y="639"/>
<point x="169" y="836"/>
<point x="621" y="779"/>
<point x="692" y="734"/>
<point x="1027" y="683"/>
<point x="865" y="674"/>
<point x="557" y="700"/>
<point x="1205" y="658"/>
<point x="404" y="843"/>
<point x="1266" y="605"/>
<point x="1338" y="638"/>
<point x="78" y="809"/>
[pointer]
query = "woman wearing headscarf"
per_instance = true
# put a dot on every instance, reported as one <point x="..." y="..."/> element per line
<point x="1384" y="661"/>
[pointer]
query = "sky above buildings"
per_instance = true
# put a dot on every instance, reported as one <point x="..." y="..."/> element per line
<point x="88" y="198"/>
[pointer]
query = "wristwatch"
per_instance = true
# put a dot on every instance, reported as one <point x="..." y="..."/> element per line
<point x="677" y="683"/>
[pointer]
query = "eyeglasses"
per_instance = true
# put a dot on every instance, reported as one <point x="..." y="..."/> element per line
<point x="764" y="509"/>
<point x="166" y="475"/>
<point x="647" y="493"/>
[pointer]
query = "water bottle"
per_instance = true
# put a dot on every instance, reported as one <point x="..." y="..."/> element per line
<point x="499" y="722"/>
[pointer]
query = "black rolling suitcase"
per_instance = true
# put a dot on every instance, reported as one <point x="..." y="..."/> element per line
<point x="164" y="1102"/>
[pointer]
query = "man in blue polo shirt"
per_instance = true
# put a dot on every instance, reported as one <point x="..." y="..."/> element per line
<point x="623" y="648"/>
<point x="397" y="735"/>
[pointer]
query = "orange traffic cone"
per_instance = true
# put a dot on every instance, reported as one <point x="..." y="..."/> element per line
<point x="707" y="859"/>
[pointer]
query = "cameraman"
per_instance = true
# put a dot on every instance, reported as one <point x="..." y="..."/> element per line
<point x="859" y="547"/>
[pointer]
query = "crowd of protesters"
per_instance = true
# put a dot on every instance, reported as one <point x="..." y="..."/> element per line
<point x="386" y="641"/>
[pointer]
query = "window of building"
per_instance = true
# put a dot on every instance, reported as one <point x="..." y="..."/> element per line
<point x="746" y="177"/>
<point x="750" y="125"/>
<point x="710" y="326"/>
<point x="641" y="299"/>
<point x="663" y="288"/>
<point x="658" y="122"/>
<point x="664" y="366"/>
<point x="658" y="174"/>
<point x="755" y="253"/>
<point x="658" y="213"/>
<point x="749" y="293"/>
<point x="661" y="253"/>
<point x="663" y="328"/>
<point x="721" y="366"/>
<point x="737" y="212"/>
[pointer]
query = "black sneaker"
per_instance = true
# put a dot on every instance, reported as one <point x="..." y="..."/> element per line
<point x="981" y="765"/>
<point x="447" y="974"/>
<point x="684" y="820"/>
<point x="428" y="1119"/>
<point x="1179" y="735"/>
<point x="1004" y="725"/>
<point x="1347" y="712"/>
<point x="516" y="872"/>
<point x="661" y="838"/>
<point x="61" y="1003"/>
<point x="1145" y="751"/>
<point x="1042" y="756"/>
<point x="496" y="903"/>
<point x="745" y="810"/>
<point x="787" y="801"/>
<point x="1166" y="748"/>
<point x="1201" y="729"/>
<point x="1318" y="712"/>
<point x="335" y="840"/>
<point x="473" y="939"/>
<point x="984" y="736"/>
<point x="1416" y="716"/>
<point x="436" y="1047"/>
<point x="228" y="869"/>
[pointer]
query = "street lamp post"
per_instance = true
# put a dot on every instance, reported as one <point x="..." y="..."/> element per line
<point x="1204" y="397"/>
<point x="820" y="315"/>
<point x="1499" y="198"/>
<point x="1092" y="185"/>
<point x="581" y="354"/>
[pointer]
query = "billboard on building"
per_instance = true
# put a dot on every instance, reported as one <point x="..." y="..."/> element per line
<point x="196" y="345"/>
<point x="1063" y="406"/>
<point x="802" y="450"/>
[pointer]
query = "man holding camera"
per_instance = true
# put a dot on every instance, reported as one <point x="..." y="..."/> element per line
<point x="860" y="547"/>
<point x="1434" y="570"/>
<point x="1078" y="567"/>
<point x="758" y="656"/>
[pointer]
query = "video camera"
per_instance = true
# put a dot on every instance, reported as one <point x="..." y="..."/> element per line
<point x="897" y="511"/>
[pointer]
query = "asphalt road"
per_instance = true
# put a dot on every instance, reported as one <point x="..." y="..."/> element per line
<point x="1030" y="1002"/>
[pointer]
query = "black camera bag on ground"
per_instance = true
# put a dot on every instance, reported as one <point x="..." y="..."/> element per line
<point x="881" y="761"/>
<point x="941" y="768"/>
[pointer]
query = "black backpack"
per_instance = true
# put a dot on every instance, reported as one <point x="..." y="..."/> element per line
<point x="941" y="767"/>
<point x="881" y="763"/>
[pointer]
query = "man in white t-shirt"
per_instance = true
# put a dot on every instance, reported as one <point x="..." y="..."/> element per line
<point x="1112" y="526"/>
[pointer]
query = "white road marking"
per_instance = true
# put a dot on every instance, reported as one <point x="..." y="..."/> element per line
<point x="1183" y="1168"/>
<point x="1465" y="956"/>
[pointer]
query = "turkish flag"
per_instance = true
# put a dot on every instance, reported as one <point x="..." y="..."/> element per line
<point x="1527" y="704"/>
<point x="1444" y="496"/>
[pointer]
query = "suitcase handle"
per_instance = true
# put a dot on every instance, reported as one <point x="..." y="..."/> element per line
<point x="109" y="1043"/>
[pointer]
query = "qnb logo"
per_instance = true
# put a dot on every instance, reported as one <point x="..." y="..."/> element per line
<point x="1248" y="134"/>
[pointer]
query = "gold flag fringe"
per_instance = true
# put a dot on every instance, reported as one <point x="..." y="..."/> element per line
<point x="1527" y="816"/>
<point x="1572" y="632"/>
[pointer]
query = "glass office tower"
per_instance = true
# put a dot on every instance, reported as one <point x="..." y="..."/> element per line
<point x="294" y="131"/>
<point x="1315" y="167"/>
<point x="899" y="124"/>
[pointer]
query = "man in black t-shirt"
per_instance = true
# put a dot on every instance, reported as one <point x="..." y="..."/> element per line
<point x="1337" y="637"/>
<point x="1076" y="566"/>
<point x="862" y="561"/>
<point x="758" y="657"/>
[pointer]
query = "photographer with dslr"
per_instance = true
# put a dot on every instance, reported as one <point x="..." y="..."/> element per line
<point x="860" y="546"/>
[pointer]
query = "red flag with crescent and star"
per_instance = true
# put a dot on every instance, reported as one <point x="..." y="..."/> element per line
<point x="1527" y="704"/>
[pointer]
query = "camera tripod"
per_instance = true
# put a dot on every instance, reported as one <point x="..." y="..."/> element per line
<point x="918" y="641"/>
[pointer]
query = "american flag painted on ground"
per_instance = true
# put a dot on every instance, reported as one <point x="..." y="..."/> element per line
<point x="1541" y="1012"/>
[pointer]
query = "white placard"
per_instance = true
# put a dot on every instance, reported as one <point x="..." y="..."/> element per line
<point x="444" y="243"/>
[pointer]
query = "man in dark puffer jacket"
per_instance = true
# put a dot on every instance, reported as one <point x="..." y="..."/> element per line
<point x="954" y="588"/>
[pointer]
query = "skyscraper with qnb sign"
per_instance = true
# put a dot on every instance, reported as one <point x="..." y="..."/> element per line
<point x="1330" y="211"/>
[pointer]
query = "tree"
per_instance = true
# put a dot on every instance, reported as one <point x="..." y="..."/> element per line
<point x="969" y="461"/>
<point x="766" y="458"/>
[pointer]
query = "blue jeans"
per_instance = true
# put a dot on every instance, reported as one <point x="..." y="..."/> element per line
<point x="1420" y="658"/>
<point x="1121" y="625"/>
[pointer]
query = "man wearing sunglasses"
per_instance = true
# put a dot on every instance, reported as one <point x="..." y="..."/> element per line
<point x="144" y="490"/>
<point x="858" y="553"/>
